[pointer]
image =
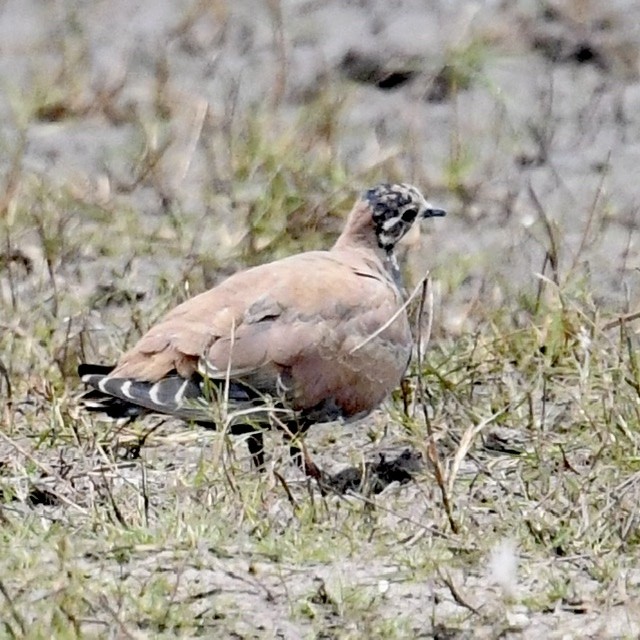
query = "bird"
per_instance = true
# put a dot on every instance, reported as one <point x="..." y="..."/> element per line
<point x="315" y="337"/>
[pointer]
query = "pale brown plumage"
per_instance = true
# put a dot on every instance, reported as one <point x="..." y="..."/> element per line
<point x="321" y="333"/>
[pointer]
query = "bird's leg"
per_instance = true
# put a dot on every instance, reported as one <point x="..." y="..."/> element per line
<point x="299" y="453"/>
<point x="297" y="450"/>
<point x="255" y="442"/>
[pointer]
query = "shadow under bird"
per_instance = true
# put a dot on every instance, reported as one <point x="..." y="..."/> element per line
<point x="315" y="337"/>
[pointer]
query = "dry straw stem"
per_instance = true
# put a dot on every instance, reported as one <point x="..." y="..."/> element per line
<point x="465" y="444"/>
<point x="420" y="286"/>
<point x="629" y="317"/>
<point x="426" y="294"/>
<point x="553" y="250"/>
<point x="455" y="592"/>
<point x="200" y="108"/>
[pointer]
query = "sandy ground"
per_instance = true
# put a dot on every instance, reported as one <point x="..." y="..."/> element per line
<point x="534" y="153"/>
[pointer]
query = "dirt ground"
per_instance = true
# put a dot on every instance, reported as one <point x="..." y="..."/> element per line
<point x="137" y="139"/>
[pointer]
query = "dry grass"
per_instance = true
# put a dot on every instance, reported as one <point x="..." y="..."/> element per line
<point x="526" y="404"/>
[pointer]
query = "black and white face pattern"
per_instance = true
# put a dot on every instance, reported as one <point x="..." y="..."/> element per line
<point x="395" y="208"/>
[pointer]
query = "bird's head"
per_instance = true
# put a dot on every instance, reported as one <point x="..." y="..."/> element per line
<point x="394" y="209"/>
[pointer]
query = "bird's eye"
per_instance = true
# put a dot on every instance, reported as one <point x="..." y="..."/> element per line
<point x="409" y="215"/>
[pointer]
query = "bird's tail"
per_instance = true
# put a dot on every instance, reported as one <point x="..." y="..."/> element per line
<point x="192" y="399"/>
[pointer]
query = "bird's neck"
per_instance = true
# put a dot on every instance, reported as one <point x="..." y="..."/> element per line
<point x="359" y="236"/>
<point x="359" y="232"/>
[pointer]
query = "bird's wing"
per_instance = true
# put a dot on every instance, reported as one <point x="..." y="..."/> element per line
<point x="306" y="326"/>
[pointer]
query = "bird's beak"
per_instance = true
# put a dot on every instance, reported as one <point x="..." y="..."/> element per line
<point x="432" y="212"/>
